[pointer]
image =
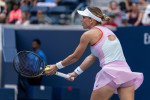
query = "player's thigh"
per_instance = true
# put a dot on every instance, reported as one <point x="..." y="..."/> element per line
<point x="103" y="93"/>
<point x="126" y="93"/>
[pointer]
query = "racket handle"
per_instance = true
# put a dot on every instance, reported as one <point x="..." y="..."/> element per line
<point x="63" y="75"/>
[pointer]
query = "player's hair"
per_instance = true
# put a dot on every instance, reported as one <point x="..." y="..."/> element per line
<point x="37" y="41"/>
<point x="97" y="12"/>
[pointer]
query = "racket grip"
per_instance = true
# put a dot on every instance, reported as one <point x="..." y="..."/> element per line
<point x="63" y="75"/>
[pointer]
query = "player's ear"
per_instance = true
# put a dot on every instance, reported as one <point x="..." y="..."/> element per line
<point x="90" y="20"/>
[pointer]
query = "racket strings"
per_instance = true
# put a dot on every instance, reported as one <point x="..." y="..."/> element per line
<point x="20" y="69"/>
<point x="21" y="61"/>
<point x="23" y="58"/>
<point x="29" y="64"/>
<point x="34" y="65"/>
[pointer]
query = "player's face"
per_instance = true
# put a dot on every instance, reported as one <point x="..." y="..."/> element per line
<point x="85" y="22"/>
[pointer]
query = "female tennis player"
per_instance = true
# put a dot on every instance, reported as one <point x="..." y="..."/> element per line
<point x="115" y="75"/>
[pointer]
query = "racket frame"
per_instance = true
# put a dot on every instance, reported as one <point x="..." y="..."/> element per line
<point x="43" y="72"/>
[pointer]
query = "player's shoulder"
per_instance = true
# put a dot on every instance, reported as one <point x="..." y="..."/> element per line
<point x="91" y="31"/>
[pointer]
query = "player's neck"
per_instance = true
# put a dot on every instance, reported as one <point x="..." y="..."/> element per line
<point x="93" y="26"/>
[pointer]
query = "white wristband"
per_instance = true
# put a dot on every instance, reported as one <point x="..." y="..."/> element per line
<point x="59" y="65"/>
<point x="78" y="70"/>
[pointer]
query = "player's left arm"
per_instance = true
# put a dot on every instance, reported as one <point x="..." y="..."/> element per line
<point x="89" y="60"/>
<point x="84" y="41"/>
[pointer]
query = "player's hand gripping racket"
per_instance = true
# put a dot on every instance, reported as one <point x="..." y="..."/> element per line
<point x="29" y="64"/>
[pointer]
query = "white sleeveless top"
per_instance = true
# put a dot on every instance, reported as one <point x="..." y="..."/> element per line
<point x="107" y="51"/>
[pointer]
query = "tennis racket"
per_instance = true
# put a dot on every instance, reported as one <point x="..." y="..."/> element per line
<point x="29" y="64"/>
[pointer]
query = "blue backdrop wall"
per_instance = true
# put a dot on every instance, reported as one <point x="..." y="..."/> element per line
<point x="58" y="44"/>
